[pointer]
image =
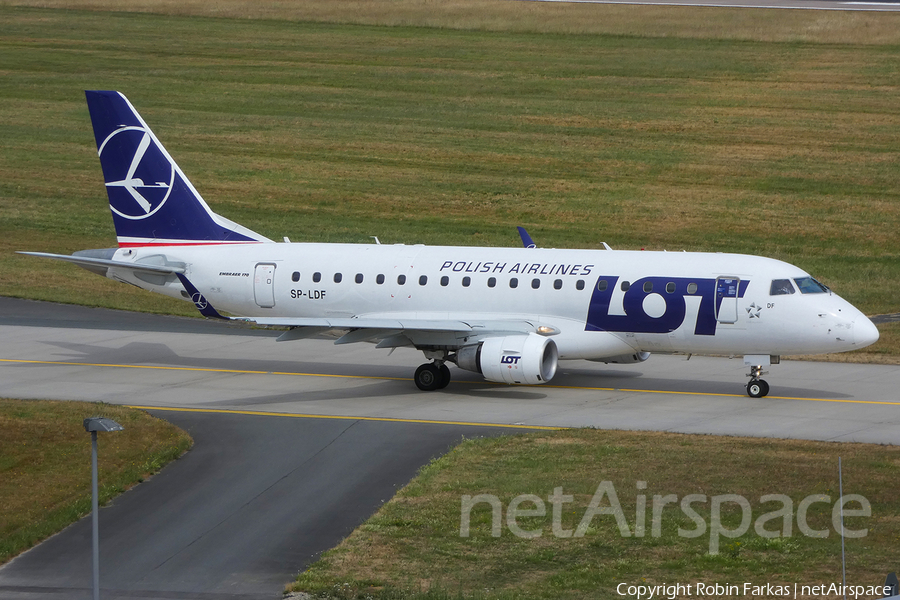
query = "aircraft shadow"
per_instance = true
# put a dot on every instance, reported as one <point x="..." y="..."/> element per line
<point x="638" y="381"/>
<point x="373" y="390"/>
<point x="151" y="354"/>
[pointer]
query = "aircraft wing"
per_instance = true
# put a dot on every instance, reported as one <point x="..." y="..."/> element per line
<point x="395" y="331"/>
<point x="392" y="330"/>
<point x="364" y="323"/>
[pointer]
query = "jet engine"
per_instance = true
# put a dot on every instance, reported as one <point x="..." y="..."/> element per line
<point x="526" y="359"/>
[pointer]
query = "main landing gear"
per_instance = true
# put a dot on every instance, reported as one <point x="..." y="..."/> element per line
<point x="432" y="376"/>
<point x="757" y="388"/>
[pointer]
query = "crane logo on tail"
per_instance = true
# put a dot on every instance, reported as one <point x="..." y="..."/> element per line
<point x="139" y="177"/>
<point x="199" y="301"/>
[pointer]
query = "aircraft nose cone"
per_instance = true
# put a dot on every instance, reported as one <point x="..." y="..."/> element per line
<point x="864" y="332"/>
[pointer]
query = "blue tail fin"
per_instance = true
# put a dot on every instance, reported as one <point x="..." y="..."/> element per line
<point x="152" y="201"/>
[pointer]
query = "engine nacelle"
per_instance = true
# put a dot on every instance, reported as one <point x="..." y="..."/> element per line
<point x="624" y="359"/>
<point x="527" y="359"/>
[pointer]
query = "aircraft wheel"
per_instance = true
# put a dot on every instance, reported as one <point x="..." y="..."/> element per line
<point x="428" y="377"/>
<point x="757" y="389"/>
<point x="445" y="376"/>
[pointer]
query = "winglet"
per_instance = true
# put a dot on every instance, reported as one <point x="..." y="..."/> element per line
<point x="526" y="239"/>
<point x="206" y="309"/>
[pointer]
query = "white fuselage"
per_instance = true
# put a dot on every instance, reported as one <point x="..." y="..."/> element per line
<point x="602" y="302"/>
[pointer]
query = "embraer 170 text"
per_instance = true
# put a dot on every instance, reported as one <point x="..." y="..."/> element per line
<point x="508" y="313"/>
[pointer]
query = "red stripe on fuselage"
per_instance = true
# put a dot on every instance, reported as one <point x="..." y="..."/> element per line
<point x="162" y="244"/>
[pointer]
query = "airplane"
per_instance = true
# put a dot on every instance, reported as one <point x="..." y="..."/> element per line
<point x="510" y="314"/>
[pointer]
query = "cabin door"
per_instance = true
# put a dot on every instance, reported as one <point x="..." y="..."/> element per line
<point x="726" y="299"/>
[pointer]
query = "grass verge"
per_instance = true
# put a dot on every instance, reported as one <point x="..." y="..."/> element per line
<point x="413" y="547"/>
<point x="45" y="464"/>
<point x="566" y="18"/>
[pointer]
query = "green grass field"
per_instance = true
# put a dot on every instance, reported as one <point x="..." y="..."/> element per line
<point x="45" y="464"/>
<point x="414" y="547"/>
<point x="326" y="132"/>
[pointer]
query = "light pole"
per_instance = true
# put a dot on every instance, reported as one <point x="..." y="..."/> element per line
<point x="93" y="425"/>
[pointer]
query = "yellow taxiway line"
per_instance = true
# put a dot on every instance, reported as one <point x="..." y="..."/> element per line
<point x="564" y="387"/>
<point x="344" y="417"/>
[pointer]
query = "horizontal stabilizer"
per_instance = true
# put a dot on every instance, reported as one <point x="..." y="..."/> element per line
<point x="102" y="262"/>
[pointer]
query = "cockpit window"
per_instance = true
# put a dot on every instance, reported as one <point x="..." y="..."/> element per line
<point x="781" y="287"/>
<point x="808" y="285"/>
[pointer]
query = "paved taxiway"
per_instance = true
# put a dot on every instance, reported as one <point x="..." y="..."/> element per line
<point x="260" y="495"/>
<point x="88" y="354"/>
<point x="235" y="519"/>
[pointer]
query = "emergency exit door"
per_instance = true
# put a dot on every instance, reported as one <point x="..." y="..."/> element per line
<point x="264" y="285"/>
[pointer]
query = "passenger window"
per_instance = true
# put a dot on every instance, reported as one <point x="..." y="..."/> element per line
<point x="808" y="285"/>
<point x="359" y="278"/>
<point x="557" y="285"/>
<point x="317" y="277"/>
<point x="445" y="281"/>
<point x="692" y="288"/>
<point x="602" y="285"/>
<point x="670" y="287"/>
<point x="466" y="281"/>
<point x="648" y="286"/>
<point x="492" y="281"/>
<point x="513" y="283"/>
<point x="625" y="285"/>
<point x="423" y="279"/>
<point x="579" y="285"/>
<point x="535" y="284"/>
<point x="401" y="279"/>
<point x="379" y="279"/>
<point x="781" y="287"/>
<point x="295" y="276"/>
<point x="338" y="277"/>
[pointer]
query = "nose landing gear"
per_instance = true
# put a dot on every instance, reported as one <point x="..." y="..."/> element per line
<point x="757" y="388"/>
